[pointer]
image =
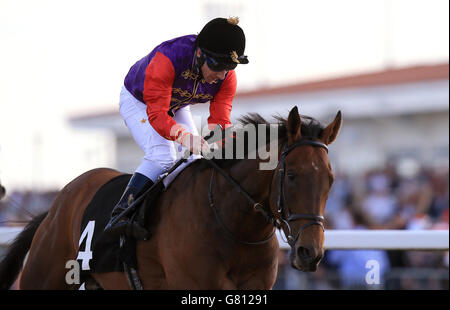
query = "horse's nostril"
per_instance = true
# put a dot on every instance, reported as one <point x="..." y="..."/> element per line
<point x="317" y="259"/>
<point x="303" y="252"/>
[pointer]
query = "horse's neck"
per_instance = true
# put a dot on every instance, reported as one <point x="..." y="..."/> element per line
<point x="255" y="181"/>
<point x="236" y="210"/>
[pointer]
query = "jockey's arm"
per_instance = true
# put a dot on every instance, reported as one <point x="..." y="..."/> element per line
<point x="220" y="105"/>
<point x="159" y="78"/>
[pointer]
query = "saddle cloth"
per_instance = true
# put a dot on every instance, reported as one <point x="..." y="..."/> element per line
<point x="98" y="252"/>
<point x="101" y="253"/>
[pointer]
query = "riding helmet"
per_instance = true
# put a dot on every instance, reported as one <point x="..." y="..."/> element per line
<point x="224" y="41"/>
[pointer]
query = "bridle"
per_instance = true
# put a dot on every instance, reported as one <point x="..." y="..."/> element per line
<point x="315" y="219"/>
<point x="279" y="221"/>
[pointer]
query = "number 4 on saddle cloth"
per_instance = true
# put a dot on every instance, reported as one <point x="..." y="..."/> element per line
<point x="99" y="252"/>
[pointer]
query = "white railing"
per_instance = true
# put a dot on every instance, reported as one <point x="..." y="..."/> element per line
<point x="345" y="239"/>
<point x="383" y="240"/>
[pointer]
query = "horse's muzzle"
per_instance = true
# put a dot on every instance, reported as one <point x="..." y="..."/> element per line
<point x="306" y="258"/>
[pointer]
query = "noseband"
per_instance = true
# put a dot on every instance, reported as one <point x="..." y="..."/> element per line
<point x="280" y="221"/>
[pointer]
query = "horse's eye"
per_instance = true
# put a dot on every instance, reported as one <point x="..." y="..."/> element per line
<point x="291" y="175"/>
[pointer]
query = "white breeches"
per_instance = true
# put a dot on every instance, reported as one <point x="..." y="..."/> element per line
<point x="160" y="153"/>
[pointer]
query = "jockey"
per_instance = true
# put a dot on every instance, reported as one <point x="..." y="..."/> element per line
<point x="156" y="97"/>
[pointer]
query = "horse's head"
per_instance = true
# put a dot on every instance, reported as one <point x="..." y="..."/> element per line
<point x="303" y="180"/>
<point x="2" y="191"/>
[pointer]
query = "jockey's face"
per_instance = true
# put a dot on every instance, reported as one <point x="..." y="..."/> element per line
<point x="212" y="76"/>
<point x="209" y="75"/>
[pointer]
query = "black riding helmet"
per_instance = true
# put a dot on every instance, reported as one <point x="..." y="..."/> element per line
<point x="222" y="43"/>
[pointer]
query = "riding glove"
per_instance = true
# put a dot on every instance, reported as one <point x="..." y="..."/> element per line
<point x="196" y="144"/>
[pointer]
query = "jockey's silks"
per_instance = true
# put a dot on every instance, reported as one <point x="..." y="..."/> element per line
<point x="168" y="79"/>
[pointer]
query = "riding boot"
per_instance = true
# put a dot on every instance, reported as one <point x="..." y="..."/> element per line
<point x="138" y="184"/>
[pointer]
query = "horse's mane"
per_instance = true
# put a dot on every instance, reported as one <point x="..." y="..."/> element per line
<point x="311" y="129"/>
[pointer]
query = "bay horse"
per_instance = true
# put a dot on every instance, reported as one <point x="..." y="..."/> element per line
<point x="189" y="247"/>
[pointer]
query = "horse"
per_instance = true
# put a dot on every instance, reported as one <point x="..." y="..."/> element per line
<point x="210" y="231"/>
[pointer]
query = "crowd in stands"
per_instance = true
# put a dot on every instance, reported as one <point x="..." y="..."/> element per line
<point x="19" y="207"/>
<point x="380" y="199"/>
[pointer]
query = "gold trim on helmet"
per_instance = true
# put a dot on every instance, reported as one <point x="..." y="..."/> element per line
<point x="234" y="20"/>
<point x="234" y="57"/>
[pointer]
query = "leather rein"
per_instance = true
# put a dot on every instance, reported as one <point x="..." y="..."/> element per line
<point x="279" y="221"/>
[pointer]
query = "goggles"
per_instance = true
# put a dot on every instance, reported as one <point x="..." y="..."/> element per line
<point x="216" y="66"/>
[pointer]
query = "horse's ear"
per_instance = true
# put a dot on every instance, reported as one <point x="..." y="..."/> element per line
<point x="330" y="133"/>
<point x="294" y="125"/>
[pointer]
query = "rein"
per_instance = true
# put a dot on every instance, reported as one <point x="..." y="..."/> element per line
<point x="256" y="206"/>
<point x="279" y="222"/>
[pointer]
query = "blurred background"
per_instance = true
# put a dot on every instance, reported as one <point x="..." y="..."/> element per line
<point x="383" y="63"/>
